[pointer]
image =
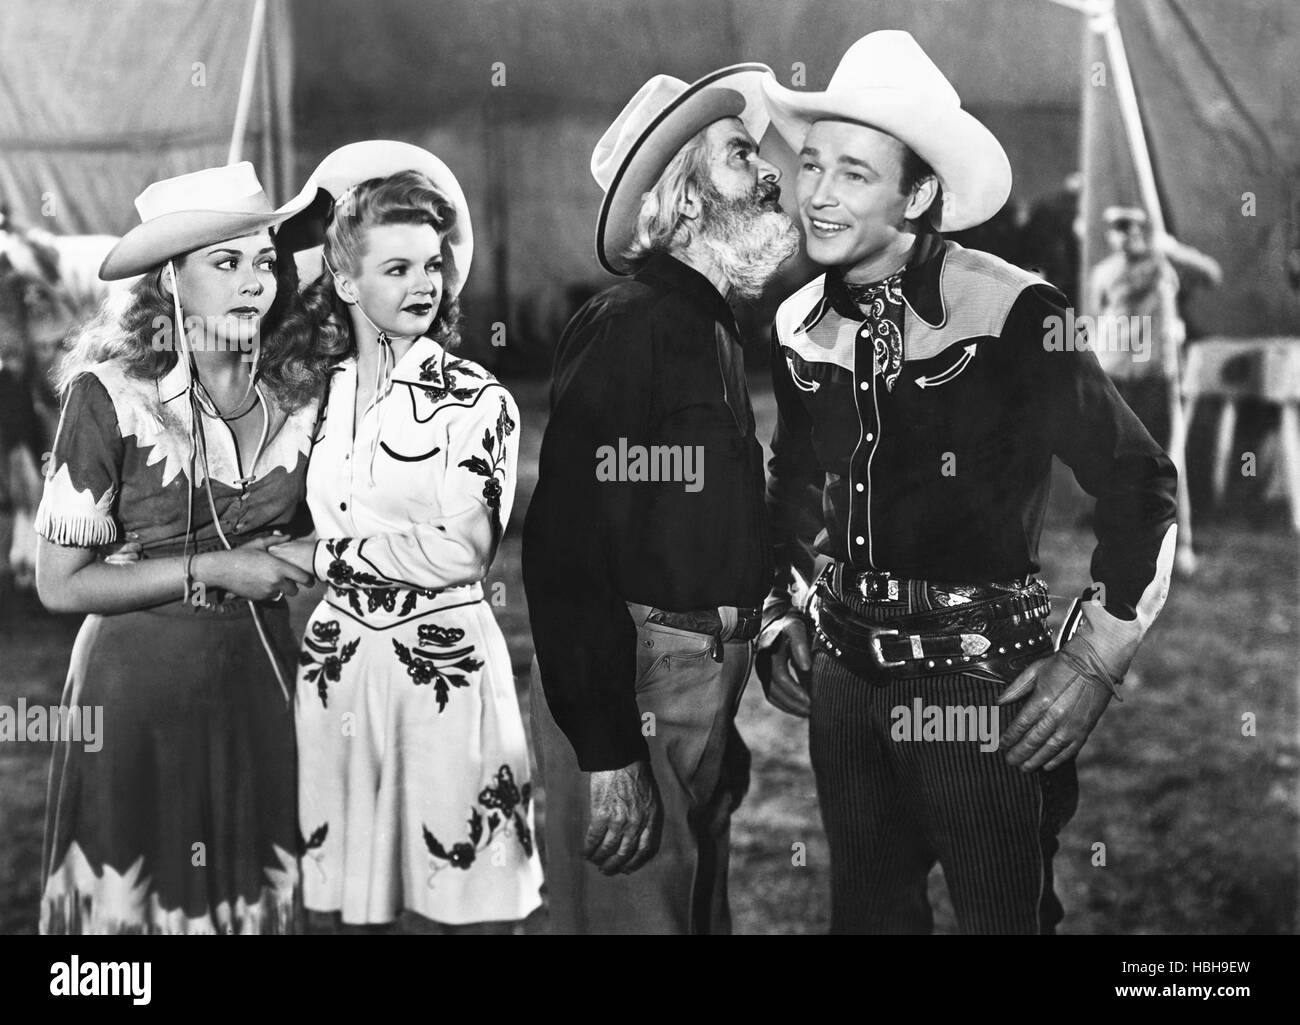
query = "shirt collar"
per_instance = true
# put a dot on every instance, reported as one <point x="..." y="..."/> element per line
<point x="410" y="366"/>
<point x="406" y="370"/>
<point x="922" y="287"/>
<point x="174" y="383"/>
<point x="923" y="279"/>
<point x="668" y="272"/>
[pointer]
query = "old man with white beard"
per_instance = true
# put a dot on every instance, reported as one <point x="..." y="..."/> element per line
<point x="644" y="592"/>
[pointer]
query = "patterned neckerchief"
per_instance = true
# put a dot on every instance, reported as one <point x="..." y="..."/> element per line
<point x="882" y="303"/>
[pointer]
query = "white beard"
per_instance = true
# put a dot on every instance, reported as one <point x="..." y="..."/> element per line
<point x="746" y="243"/>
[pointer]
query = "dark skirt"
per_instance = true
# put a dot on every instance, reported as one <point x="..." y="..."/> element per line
<point x="184" y="820"/>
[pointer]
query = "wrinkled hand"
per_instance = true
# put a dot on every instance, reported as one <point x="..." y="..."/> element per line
<point x="626" y="819"/>
<point x="783" y="667"/>
<point x="1058" y="717"/>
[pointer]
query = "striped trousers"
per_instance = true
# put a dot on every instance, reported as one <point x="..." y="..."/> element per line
<point x="899" y="792"/>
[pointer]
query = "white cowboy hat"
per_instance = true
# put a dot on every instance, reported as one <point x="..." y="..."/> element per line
<point x="359" y="162"/>
<point x="658" y="121"/>
<point x="886" y="81"/>
<point x="179" y="215"/>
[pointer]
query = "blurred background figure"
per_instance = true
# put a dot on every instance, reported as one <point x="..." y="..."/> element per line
<point x="1133" y="296"/>
<point x="1051" y="237"/>
<point x="1003" y="235"/>
<point x="26" y="284"/>
<point x="48" y="286"/>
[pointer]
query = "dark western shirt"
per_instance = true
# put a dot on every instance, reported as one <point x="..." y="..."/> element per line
<point x="648" y="384"/>
<point x="945" y="475"/>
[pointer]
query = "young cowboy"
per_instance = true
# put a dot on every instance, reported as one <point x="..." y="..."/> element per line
<point x="645" y="553"/>
<point x="920" y="408"/>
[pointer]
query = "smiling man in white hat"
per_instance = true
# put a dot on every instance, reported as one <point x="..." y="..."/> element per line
<point x="921" y="400"/>
<point x="644" y="547"/>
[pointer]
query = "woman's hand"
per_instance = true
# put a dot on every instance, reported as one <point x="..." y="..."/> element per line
<point x="123" y="553"/>
<point x="250" y="571"/>
<point x="300" y="553"/>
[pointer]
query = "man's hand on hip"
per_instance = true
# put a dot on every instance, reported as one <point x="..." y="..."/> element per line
<point x="1060" y="714"/>
<point x="626" y="819"/>
<point x="784" y="663"/>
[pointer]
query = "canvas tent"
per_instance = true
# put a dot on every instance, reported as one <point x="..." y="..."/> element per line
<point x="521" y="91"/>
<point x="97" y="99"/>
<point x="1215" y="84"/>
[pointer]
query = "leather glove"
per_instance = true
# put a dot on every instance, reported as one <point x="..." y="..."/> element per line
<point x="1068" y="691"/>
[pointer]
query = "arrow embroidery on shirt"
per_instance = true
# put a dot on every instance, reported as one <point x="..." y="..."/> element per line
<point x="951" y="372"/>
<point x="799" y="382"/>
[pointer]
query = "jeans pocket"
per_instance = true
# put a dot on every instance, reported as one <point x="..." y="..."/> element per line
<point x="660" y="647"/>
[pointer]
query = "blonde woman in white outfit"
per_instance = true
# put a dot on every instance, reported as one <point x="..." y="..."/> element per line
<point x="414" y="788"/>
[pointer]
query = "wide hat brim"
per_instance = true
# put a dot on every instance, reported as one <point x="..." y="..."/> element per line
<point x="359" y="162"/>
<point x="728" y="92"/>
<point x="168" y="236"/>
<point x="968" y="160"/>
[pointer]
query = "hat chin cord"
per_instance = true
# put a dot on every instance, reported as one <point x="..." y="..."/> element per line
<point x="383" y="370"/>
<point x="201" y="402"/>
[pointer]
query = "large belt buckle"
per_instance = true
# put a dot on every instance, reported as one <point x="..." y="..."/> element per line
<point x="877" y="586"/>
<point x="879" y="654"/>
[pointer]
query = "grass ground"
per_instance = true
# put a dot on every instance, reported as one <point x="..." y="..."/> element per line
<point x="1199" y="821"/>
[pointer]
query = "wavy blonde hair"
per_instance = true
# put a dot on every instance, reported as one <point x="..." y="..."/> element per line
<point x="319" y="327"/>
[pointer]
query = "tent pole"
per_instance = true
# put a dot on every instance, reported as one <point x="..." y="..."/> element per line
<point x="246" y="83"/>
<point x="1106" y="24"/>
<point x="1131" y="115"/>
<point x="270" y="173"/>
<point x="1087" y="197"/>
<point x="279" y="44"/>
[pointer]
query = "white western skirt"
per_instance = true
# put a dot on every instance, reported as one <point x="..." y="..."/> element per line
<point x="413" y="782"/>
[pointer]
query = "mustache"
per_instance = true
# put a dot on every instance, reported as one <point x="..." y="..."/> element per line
<point x="763" y="197"/>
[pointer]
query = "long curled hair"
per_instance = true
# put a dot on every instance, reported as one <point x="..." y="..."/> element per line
<point x="319" y="328"/>
<point x="659" y="222"/>
<point x="127" y="323"/>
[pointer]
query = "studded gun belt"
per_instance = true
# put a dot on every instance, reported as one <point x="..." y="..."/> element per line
<point x="993" y="631"/>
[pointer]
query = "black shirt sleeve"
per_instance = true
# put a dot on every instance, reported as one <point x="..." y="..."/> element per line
<point x="794" y="490"/>
<point x="584" y="636"/>
<point x="1111" y="453"/>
